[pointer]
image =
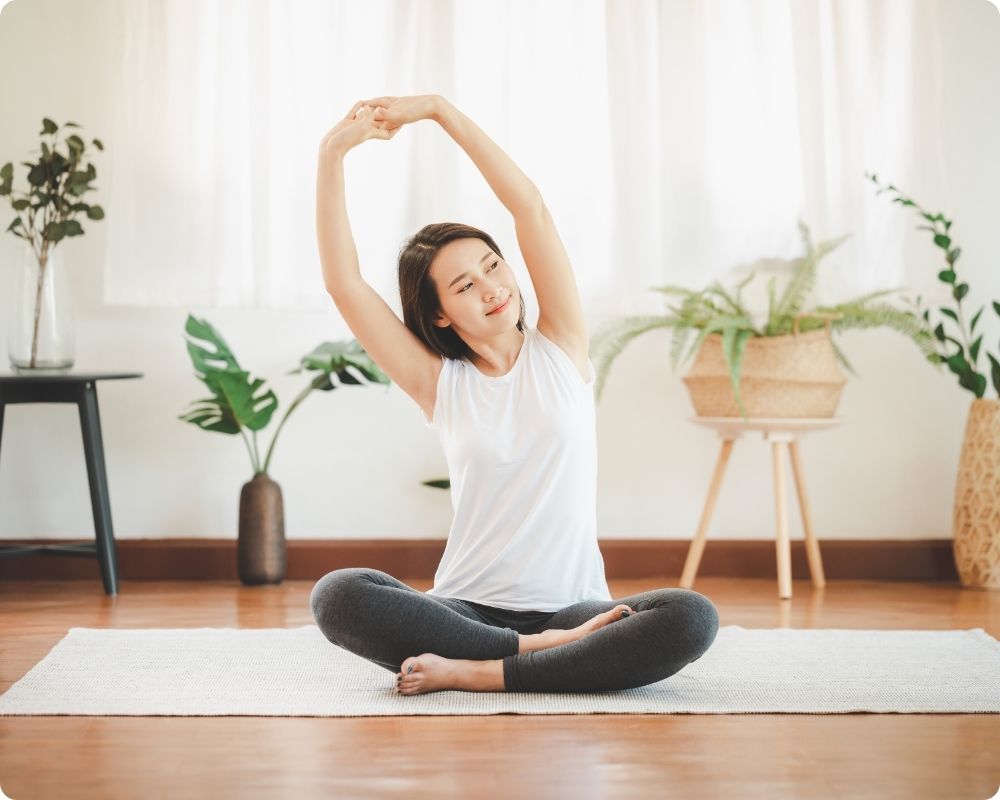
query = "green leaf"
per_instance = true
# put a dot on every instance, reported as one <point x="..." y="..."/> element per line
<point x="238" y="390"/>
<point x="7" y="171"/>
<point x="975" y="319"/>
<point x="212" y="415"/>
<point x="947" y="275"/>
<point x="996" y="307"/>
<point x="73" y="228"/>
<point x="948" y="313"/>
<point x="75" y="143"/>
<point x="942" y="241"/>
<point x="994" y="372"/>
<point x="20" y="204"/>
<point x="973" y="381"/>
<point x="70" y="125"/>
<point x="95" y="212"/>
<point x="16" y="223"/>
<point x="974" y="349"/>
<point x="48" y="126"/>
<point x="54" y="231"/>
<point x="205" y="360"/>
<point x="961" y="291"/>
<point x="952" y="256"/>
<point x="340" y="358"/>
<point x="958" y="364"/>
<point x="235" y="403"/>
<point x="98" y="144"/>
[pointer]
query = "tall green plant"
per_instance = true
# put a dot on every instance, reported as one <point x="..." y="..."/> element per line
<point x="718" y="310"/>
<point x="240" y="402"/>
<point x="963" y="361"/>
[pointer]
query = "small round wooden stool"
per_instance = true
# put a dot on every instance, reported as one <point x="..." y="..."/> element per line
<point x="778" y="432"/>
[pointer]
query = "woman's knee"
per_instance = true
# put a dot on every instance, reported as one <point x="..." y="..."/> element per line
<point x="333" y="595"/>
<point x="695" y="621"/>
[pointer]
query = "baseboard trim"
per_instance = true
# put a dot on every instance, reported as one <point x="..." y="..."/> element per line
<point x="310" y="559"/>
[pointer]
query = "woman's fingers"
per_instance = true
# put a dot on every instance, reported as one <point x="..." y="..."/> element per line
<point x="384" y="101"/>
<point x="354" y="110"/>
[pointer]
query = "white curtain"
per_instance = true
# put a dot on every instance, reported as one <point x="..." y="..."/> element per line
<point x="675" y="142"/>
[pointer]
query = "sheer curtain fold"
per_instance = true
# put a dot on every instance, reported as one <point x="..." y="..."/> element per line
<point x="674" y="142"/>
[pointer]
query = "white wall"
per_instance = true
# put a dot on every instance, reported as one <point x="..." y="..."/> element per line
<point x="350" y="462"/>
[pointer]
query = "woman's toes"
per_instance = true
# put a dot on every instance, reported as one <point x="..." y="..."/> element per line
<point x="621" y="611"/>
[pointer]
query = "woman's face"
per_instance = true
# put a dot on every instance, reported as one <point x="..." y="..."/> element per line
<point x="471" y="282"/>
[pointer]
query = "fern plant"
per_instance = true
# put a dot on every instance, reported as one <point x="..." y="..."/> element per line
<point x="718" y="310"/>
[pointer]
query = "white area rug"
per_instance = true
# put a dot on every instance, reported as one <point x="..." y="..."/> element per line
<point x="297" y="672"/>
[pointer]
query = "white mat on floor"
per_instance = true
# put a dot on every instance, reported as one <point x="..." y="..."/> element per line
<point x="297" y="672"/>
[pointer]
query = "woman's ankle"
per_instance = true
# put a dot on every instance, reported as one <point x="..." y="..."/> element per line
<point x="530" y="642"/>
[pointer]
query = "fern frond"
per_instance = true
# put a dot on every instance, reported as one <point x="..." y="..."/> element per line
<point x="856" y="314"/>
<point x="607" y="342"/>
<point x="804" y="278"/>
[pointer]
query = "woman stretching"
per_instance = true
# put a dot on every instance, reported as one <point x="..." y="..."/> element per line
<point x="519" y="602"/>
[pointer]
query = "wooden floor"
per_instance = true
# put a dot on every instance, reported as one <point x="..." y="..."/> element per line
<point x="505" y="756"/>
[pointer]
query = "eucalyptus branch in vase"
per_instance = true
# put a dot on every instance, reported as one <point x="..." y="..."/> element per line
<point x="47" y="212"/>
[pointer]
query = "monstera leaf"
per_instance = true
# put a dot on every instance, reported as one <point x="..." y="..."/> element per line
<point x="235" y="401"/>
<point x="239" y="401"/>
<point x="336" y="358"/>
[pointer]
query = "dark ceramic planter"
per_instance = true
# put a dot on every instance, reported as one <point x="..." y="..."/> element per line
<point x="261" y="555"/>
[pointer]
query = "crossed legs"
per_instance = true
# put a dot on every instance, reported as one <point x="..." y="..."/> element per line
<point x="435" y="643"/>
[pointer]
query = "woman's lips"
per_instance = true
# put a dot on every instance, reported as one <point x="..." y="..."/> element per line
<point x="498" y="310"/>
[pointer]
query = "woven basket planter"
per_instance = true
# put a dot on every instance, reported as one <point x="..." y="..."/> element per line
<point x="797" y="375"/>
<point x="976" y="515"/>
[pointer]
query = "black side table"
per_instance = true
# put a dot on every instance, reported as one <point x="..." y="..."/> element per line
<point x="79" y="388"/>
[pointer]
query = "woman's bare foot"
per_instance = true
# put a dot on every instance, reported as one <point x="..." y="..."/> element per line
<point x="557" y="636"/>
<point x="432" y="673"/>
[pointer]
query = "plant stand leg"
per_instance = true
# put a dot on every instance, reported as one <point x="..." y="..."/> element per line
<point x="782" y="544"/>
<point x="698" y="543"/>
<point x="812" y="543"/>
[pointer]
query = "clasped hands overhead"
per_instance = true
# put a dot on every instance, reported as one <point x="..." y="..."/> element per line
<point x="379" y="118"/>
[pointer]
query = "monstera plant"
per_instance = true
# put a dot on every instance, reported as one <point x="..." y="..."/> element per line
<point x="241" y="403"/>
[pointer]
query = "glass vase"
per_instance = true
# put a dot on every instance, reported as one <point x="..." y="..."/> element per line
<point x="40" y="323"/>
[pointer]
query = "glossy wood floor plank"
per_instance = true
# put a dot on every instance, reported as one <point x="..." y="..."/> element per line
<point x="546" y="756"/>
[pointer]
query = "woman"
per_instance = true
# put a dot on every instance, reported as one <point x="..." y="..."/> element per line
<point x="519" y="602"/>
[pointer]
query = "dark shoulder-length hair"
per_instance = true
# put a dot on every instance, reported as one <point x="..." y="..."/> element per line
<point x="419" y="295"/>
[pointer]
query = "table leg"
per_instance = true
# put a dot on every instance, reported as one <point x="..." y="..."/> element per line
<point x="782" y="544"/>
<point x="698" y="543"/>
<point x="812" y="543"/>
<point x="90" y="424"/>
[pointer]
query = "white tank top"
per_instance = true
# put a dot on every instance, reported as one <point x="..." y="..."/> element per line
<point x="522" y="459"/>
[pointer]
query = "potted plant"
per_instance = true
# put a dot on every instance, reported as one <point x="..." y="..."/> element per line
<point x="240" y="403"/>
<point x="784" y="366"/>
<point x="976" y="511"/>
<point x="40" y="335"/>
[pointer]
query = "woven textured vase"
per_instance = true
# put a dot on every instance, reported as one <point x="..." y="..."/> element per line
<point x="976" y="517"/>
<point x="782" y="376"/>
<point x="261" y="554"/>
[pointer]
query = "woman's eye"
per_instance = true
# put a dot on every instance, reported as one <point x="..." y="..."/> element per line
<point x="492" y="266"/>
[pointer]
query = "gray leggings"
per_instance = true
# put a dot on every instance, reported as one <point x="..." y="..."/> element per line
<point x="381" y="619"/>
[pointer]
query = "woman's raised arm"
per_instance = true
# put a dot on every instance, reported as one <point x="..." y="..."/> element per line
<point x="408" y="362"/>
<point x="509" y="183"/>
<point x="337" y="252"/>
<point x="560" y="316"/>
